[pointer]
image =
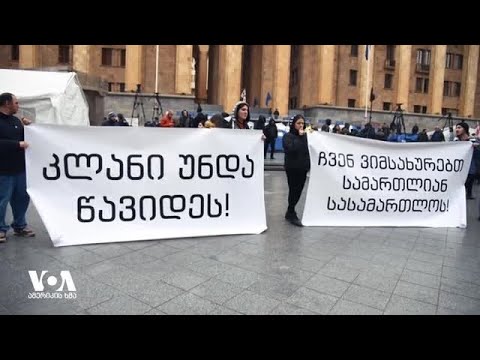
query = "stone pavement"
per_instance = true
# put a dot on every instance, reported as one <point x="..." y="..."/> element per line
<point x="285" y="270"/>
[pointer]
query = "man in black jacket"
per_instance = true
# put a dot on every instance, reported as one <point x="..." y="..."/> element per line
<point x="271" y="133"/>
<point x="13" y="184"/>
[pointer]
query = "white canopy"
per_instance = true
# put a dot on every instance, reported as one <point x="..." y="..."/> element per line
<point x="47" y="97"/>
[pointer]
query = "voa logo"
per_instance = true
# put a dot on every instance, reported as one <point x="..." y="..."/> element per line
<point x="51" y="287"/>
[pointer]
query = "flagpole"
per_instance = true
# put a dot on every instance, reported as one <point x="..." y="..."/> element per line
<point x="156" y="70"/>
<point x="366" y="82"/>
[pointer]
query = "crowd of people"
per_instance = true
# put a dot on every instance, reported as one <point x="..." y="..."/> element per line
<point x="295" y="147"/>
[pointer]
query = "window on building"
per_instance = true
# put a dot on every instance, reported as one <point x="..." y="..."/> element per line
<point x="453" y="61"/>
<point x="446" y="88"/>
<point x="423" y="56"/>
<point x="121" y="87"/>
<point x="353" y="78"/>
<point x="351" y="103"/>
<point x="423" y="60"/>
<point x="354" y="50"/>
<point x="15" y="52"/>
<point x="391" y="52"/>
<point x="419" y="109"/>
<point x="390" y="57"/>
<point x="456" y="88"/>
<point x="110" y="86"/>
<point x="421" y="85"/>
<point x="387" y="106"/>
<point x="418" y="85"/>
<point x="451" y="88"/>
<point x="388" y="81"/>
<point x="64" y="54"/>
<point x="123" y="57"/>
<point x="107" y="55"/>
<point x="458" y="62"/>
<point x="445" y="111"/>
<point x="449" y="61"/>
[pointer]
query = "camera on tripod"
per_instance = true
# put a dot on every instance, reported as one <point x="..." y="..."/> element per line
<point x="138" y="101"/>
<point x="398" y="121"/>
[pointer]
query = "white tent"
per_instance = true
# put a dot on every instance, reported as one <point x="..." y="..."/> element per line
<point x="47" y="97"/>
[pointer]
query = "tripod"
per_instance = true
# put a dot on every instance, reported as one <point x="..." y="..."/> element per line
<point x="157" y="105"/>
<point x="448" y="121"/>
<point x="398" y="121"/>
<point x="138" y="101"/>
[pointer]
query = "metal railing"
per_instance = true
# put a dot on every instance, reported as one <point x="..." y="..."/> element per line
<point x="423" y="68"/>
<point x="389" y="64"/>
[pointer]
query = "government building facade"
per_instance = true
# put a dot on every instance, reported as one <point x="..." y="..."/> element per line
<point x="425" y="79"/>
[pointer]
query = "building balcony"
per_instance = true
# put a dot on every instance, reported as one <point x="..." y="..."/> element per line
<point x="423" y="68"/>
<point x="389" y="64"/>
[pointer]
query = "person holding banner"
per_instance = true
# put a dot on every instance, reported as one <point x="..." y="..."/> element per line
<point x="241" y="115"/>
<point x="462" y="132"/>
<point x="297" y="165"/>
<point x="13" y="183"/>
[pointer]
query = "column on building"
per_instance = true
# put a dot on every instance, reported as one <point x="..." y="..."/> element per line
<point x="437" y="76"/>
<point x="325" y="74"/>
<point x="183" y="69"/>
<point x="306" y="55"/>
<point x="82" y="58"/>
<point x="402" y="72"/>
<point x="29" y="57"/>
<point x="366" y="74"/>
<point x="265" y="71"/>
<point x="229" y="75"/>
<point x="201" y="76"/>
<point x="281" y="78"/>
<point x="134" y="67"/>
<point x="469" y="80"/>
<point x="268" y="76"/>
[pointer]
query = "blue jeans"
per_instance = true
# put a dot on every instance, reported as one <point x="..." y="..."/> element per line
<point x="13" y="190"/>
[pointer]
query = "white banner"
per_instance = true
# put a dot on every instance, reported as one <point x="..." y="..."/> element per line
<point x="363" y="182"/>
<point x="108" y="184"/>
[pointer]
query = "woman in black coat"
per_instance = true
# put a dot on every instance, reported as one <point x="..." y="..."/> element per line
<point x="297" y="165"/>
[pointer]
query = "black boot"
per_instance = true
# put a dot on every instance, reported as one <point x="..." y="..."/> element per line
<point x="293" y="218"/>
<point x="290" y="214"/>
<point x="296" y="221"/>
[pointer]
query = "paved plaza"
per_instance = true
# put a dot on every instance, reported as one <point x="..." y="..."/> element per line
<point x="285" y="270"/>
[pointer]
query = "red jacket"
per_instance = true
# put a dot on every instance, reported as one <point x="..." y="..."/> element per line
<point x="167" y="122"/>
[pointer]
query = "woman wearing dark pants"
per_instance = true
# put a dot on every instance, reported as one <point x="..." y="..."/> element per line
<point x="297" y="165"/>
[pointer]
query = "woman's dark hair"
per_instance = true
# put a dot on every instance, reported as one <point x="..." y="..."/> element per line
<point x="238" y="107"/>
<point x="218" y="121"/>
<point x="295" y="119"/>
<point x="260" y="124"/>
